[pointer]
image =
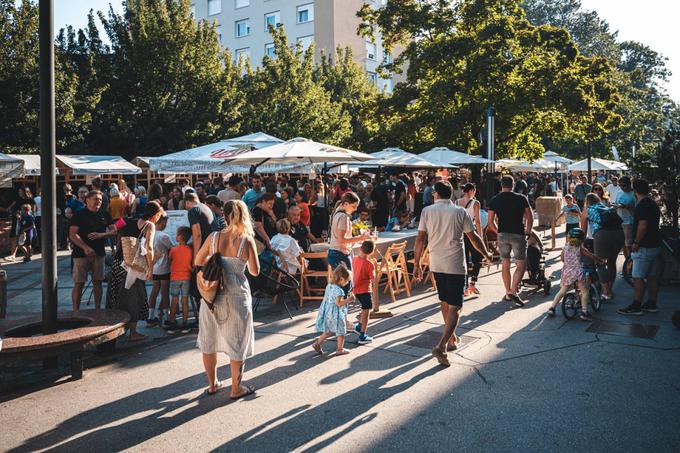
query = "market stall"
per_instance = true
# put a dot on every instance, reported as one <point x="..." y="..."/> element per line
<point x="82" y="168"/>
<point x="10" y="167"/>
<point x="443" y="157"/>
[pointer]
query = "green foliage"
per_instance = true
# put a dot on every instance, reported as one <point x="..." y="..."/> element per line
<point x="283" y="98"/>
<point x="357" y="96"/>
<point x="466" y="55"/>
<point x="167" y="82"/>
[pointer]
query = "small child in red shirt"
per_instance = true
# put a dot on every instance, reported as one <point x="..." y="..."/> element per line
<point x="181" y="265"/>
<point x="363" y="267"/>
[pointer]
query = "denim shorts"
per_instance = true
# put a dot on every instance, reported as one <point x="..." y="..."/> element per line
<point x="646" y="262"/>
<point x="178" y="287"/>
<point x="336" y="257"/>
<point x="511" y="242"/>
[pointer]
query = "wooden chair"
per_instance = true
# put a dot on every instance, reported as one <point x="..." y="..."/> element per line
<point x="395" y="270"/>
<point x="307" y="291"/>
<point x="425" y="266"/>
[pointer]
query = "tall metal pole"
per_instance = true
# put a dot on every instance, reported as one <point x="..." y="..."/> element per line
<point x="590" y="165"/>
<point x="47" y="168"/>
<point x="490" y="153"/>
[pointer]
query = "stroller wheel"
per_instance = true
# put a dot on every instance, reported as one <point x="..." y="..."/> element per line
<point x="546" y="287"/>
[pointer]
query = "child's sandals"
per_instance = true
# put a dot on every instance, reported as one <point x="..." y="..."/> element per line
<point x="342" y="352"/>
<point x="317" y="348"/>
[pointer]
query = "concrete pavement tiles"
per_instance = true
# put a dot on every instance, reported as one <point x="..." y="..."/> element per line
<point x="519" y="382"/>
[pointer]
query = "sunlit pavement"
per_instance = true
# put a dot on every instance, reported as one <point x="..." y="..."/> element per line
<point x="520" y="382"/>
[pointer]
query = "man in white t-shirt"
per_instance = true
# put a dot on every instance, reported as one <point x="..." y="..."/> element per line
<point x="442" y="226"/>
<point x="613" y="189"/>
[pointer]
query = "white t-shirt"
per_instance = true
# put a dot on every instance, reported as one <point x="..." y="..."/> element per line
<point x="289" y="250"/>
<point x="445" y="224"/>
<point x="613" y="191"/>
<point x="161" y="248"/>
<point x="228" y="194"/>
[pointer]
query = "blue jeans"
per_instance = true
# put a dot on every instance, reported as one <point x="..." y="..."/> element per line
<point x="335" y="258"/>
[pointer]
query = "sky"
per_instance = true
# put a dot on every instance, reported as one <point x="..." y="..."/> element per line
<point x="652" y="22"/>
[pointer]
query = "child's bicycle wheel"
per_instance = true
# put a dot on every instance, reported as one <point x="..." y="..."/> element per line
<point x="570" y="306"/>
<point x="595" y="299"/>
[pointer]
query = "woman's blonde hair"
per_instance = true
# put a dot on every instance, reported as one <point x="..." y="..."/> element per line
<point x="340" y="273"/>
<point x="237" y="219"/>
<point x="592" y="199"/>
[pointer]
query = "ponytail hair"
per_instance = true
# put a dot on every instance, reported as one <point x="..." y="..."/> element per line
<point x="349" y="198"/>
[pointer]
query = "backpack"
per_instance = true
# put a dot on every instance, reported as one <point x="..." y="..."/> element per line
<point x="210" y="278"/>
<point x="610" y="219"/>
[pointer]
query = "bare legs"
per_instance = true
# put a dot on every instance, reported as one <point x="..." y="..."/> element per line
<point x="452" y="317"/>
<point x="512" y="283"/>
<point x="446" y="310"/>
<point x="237" y="369"/>
<point x="77" y="293"/>
<point x="325" y="336"/>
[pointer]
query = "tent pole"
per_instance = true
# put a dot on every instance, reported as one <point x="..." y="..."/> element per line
<point x="47" y="166"/>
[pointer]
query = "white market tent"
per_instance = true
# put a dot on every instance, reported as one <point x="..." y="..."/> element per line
<point x="90" y="165"/>
<point x="540" y="165"/>
<point x="554" y="157"/>
<point x="32" y="164"/>
<point x="597" y="164"/>
<point x="212" y="158"/>
<point x="10" y="167"/>
<point x="298" y="152"/>
<point x="395" y="157"/>
<point x="442" y="157"/>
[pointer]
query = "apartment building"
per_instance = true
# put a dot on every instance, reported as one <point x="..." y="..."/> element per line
<point x="242" y="26"/>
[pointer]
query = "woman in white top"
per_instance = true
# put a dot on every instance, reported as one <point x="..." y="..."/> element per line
<point x="228" y="327"/>
<point x="473" y="208"/>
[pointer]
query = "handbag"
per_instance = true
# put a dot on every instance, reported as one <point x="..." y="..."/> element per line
<point x="209" y="279"/>
<point x="132" y="252"/>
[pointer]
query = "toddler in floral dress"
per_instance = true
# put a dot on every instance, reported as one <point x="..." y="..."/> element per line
<point x="572" y="272"/>
<point x="332" y="317"/>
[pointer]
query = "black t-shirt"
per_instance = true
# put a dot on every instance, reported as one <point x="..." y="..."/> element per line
<point x="521" y="187"/>
<point x="269" y="224"/>
<point x="280" y="209"/>
<point x="90" y="222"/>
<point x="647" y="209"/>
<point x="203" y="216"/>
<point x="509" y="207"/>
<point x="299" y="232"/>
<point x="381" y="198"/>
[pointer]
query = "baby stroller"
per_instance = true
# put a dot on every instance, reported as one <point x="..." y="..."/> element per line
<point x="536" y="266"/>
<point x="272" y="282"/>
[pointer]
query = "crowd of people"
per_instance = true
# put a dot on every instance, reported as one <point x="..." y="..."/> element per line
<point x="240" y="219"/>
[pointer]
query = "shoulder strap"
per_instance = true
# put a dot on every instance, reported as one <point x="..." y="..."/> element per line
<point x="240" y="247"/>
<point x="469" y="203"/>
<point x="212" y="244"/>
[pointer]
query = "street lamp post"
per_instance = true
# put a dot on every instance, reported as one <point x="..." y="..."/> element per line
<point x="490" y="151"/>
<point x="47" y="167"/>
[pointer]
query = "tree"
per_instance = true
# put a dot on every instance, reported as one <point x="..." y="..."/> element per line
<point x="167" y="82"/>
<point x="466" y="55"/>
<point x="19" y="84"/>
<point x="348" y="86"/>
<point x="284" y="99"/>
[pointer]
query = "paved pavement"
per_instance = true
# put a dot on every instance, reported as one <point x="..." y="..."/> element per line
<point x="521" y="382"/>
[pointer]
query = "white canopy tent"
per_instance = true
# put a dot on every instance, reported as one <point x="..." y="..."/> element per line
<point x="213" y="158"/>
<point x="10" y="167"/>
<point x="32" y="164"/>
<point x="299" y="151"/>
<point x="597" y="164"/>
<point x="442" y="157"/>
<point x="98" y="165"/>
<point x="395" y="157"/>
<point x="554" y="157"/>
<point x="540" y="165"/>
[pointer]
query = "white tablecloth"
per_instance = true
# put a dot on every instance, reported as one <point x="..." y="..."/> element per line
<point x="385" y="239"/>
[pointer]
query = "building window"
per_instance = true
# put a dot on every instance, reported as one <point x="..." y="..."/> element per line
<point x="387" y="85"/>
<point x="193" y="10"/>
<point x="214" y="7"/>
<point x="273" y="19"/>
<point x="269" y="50"/>
<point x="242" y="54"/>
<point x="306" y="41"/>
<point x="305" y="13"/>
<point x="242" y="3"/>
<point x="218" y="30"/>
<point x="371" y="50"/>
<point x="373" y="77"/>
<point x="387" y="58"/>
<point x="242" y="28"/>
